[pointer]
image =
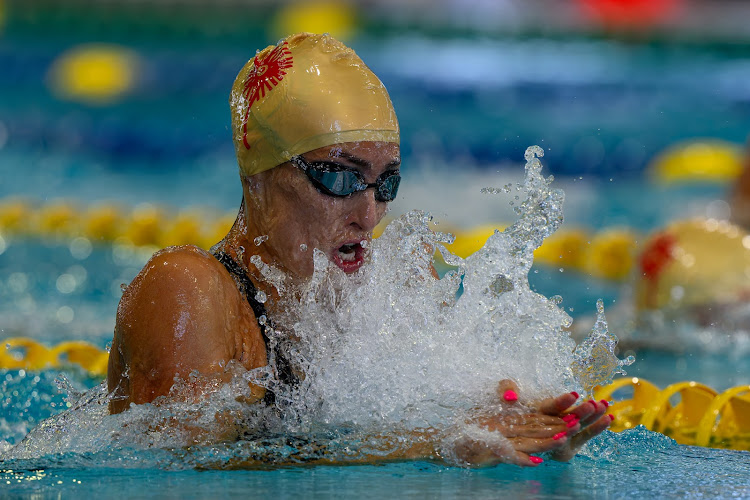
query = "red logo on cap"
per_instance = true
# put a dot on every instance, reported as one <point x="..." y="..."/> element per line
<point x="265" y="75"/>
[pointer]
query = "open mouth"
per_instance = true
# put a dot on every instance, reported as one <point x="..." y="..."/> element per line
<point x="349" y="257"/>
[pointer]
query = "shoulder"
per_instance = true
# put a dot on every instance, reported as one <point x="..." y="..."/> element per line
<point x="183" y="303"/>
<point x="179" y="274"/>
<point x="187" y="263"/>
<point x="183" y="312"/>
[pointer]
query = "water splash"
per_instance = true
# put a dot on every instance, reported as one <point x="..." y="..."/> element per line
<point x="594" y="360"/>
<point x="383" y="354"/>
<point x="396" y="346"/>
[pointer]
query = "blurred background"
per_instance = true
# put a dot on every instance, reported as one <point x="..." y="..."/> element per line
<point x="115" y="88"/>
<point x="114" y="130"/>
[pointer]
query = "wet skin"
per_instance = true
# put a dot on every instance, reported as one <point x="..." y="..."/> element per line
<point x="184" y="313"/>
<point x="556" y="425"/>
<point x="283" y="205"/>
<point x="739" y="197"/>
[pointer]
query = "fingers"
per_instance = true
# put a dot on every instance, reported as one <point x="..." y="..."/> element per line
<point x="527" y="449"/>
<point x="530" y="425"/>
<point x="589" y="412"/>
<point x="534" y="432"/>
<point x="507" y="390"/>
<point x="520" y="451"/>
<point x="600" y="407"/>
<point x="555" y="406"/>
<point x="509" y="420"/>
<point x="575" y="443"/>
<point x="592" y="430"/>
<point x="484" y="453"/>
<point x="528" y="445"/>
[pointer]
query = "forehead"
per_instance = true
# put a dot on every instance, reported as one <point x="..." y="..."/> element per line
<point x="366" y="154"/>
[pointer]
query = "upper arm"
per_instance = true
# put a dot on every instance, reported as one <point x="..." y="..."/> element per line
<point x="180" y="314"/>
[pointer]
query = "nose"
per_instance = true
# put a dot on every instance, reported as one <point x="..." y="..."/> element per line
<point x="366" y="212"/>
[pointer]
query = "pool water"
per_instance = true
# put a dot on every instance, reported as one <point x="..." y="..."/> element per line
<point x="475" y="124"/>
<point x="632" y="464"/>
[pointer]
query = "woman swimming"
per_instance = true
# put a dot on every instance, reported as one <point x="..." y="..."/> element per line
<point x="317" y="142"/>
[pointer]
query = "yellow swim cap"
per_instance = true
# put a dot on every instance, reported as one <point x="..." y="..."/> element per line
<point x="306" y="92"/>
<point x="692" y="262"/>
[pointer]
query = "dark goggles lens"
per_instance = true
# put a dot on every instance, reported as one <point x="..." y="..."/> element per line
<point x="331" y="179"/>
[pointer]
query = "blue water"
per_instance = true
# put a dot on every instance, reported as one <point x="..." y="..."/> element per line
<point x="601" y="110"/>
<point x="632" y="464"/>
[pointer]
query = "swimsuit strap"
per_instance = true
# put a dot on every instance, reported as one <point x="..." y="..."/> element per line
<point x="246" y="286"/>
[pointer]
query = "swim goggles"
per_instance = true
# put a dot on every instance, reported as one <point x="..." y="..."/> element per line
<point x="334" y="179"/>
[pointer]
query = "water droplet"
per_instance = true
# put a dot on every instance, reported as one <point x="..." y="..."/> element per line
<point x="66" y="283"/>
<point x="260" y="239"/>
<point x="501" y="284"/>
<point x="80" y="248"/>
<point x="261" y="297"/>
<point x="18" y="282"/>
<point x="303" y="248"/>
<point x="65" y="315"/>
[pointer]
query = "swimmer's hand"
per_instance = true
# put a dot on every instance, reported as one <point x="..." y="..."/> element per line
<point x="589" y="415"/>
<point x="516" y="435"/>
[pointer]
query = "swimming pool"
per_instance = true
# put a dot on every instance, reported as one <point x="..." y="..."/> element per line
<point x="56" y="289"/>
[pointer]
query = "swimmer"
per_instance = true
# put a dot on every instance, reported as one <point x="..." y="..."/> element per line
<point x="317" y="143"/>
<point x="739" y="198"/>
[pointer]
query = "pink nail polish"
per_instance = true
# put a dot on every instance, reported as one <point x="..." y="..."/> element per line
<point x="605" y="403"/>
<point x="572" y="423"/>
<point x="574" y="393"/>
<point x="611" y="417"/>
<point x="559" y="435"/>
<point x="592" y="402"/>
<point x="569" y="417"/>
<point x="536" y="460"/>
<point x="510" y="396"/>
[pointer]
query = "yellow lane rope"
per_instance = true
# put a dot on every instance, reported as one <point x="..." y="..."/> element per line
<point x="24" y="353"/>
<point x="689" y="412"/>
<point x="609" y="254"/>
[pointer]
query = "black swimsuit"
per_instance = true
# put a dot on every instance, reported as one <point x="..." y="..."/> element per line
<point x="246" y="286"/>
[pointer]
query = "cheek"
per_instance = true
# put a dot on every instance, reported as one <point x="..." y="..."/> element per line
<point x="307" y="218"/>
<point x="322" y="218"/>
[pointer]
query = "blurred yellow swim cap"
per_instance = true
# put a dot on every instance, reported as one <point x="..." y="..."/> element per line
<point x="692" y="262"/>
<point x="306" y="92"/>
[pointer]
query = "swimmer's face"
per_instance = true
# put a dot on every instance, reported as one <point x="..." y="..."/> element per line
<point x="297" y="217"/>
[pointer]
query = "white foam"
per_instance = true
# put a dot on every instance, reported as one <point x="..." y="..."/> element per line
<point x="391" y="348"/>
<point x="395" y="345"/>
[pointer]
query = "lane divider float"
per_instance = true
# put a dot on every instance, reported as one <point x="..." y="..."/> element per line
<point x="22" y="353"/>
<point x="689" y="412"/>
<point x="609" y="254"/>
